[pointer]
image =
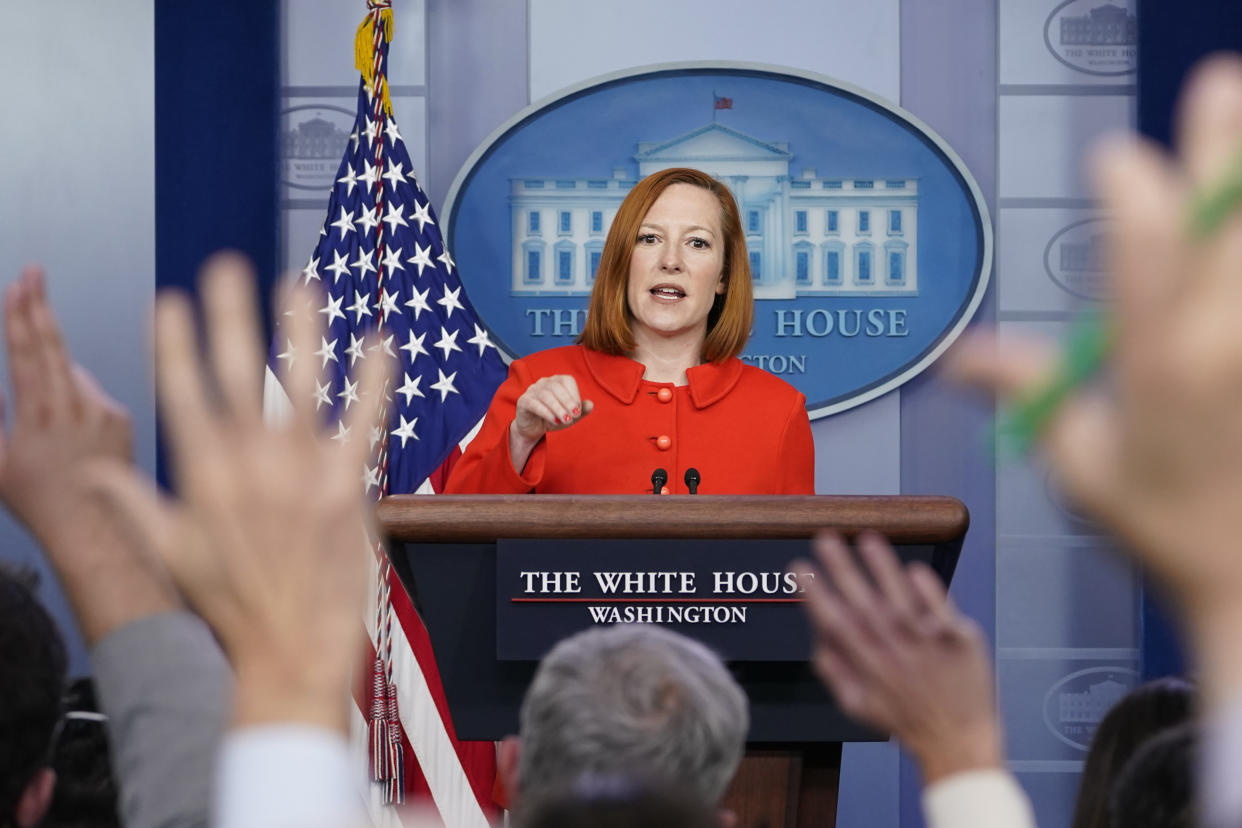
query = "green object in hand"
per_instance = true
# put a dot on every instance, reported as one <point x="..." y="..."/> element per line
<point x="1209" y="209"/>
<point x="1089" y="342"/>
<point x="1092" y="336"/>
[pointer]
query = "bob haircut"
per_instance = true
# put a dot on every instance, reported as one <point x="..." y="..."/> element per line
<point x="607" y="327"/>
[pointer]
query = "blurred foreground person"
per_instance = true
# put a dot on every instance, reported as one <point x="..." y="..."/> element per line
<point x="1156" y="453"/>
<point x="32" y="682"/>
<point x="1142" y="713"/>
<point x="899" y="656"/>
<point x="636" y="701"/>
<point x="159" y="674"/>
<point x="1156" y="787"/>
<point x="267" y="541"/>
<point x="86" y="793"/>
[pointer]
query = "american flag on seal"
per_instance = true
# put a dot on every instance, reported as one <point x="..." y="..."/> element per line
<point x="383" y="265"/>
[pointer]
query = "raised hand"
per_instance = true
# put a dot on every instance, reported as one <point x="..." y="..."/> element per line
<point x="60" y="416"/>
<point x="1158" y="454"/>
<point x="549" y="404"/>
<point x="897" y="655"/>
<point x="268" y="538"/>
<point x="62" y="421"/>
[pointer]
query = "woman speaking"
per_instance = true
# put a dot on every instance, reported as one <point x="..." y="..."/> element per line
<point x="654" y="382"/>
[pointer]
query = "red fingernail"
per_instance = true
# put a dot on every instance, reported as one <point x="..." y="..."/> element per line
<point x="576" y="411"/>
<point x="567" y="418"/>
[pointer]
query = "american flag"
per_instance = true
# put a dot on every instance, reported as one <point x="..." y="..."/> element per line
<point x="384" y="269"/>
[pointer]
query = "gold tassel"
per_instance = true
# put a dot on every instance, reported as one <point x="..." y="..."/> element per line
<point x="364" y="56"/>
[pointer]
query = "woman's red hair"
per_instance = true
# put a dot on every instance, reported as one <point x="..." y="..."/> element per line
<point x="607" y="327"/>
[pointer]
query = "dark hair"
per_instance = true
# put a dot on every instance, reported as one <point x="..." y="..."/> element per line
<point x="1155" y="789"/>
<point x="32" y="679"/>
<point x="619" y="802"/>
<point x="86" y="791"/>
<point x="1145" y="710"/>
<point x="607" y="327"/>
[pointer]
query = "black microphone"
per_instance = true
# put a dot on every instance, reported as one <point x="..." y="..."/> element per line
<point x="658" y="478"/>
<point x="692" y="480"/>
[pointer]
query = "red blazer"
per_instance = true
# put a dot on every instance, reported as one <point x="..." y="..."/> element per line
<point x="745" y="430"/>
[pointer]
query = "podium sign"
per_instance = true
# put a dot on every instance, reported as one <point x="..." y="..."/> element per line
<point x="734" y="595"/>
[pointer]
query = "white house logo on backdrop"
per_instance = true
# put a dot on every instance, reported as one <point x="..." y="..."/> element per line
<point x="1074" y="706"/>
<point x="1094" y="36"/>
<point x="807" y="235"/>
<point x="868" y="241"/>
<point x="311" y="140"/>
<point x="1074" y="258"/>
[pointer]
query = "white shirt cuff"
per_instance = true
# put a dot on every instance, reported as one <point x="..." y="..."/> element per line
<point x="286" y="775"/>
<point x="977" y="799"/>
<point x="1222" y="745"/>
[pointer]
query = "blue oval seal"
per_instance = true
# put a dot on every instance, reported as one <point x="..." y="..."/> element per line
<point x="870" y="244"/>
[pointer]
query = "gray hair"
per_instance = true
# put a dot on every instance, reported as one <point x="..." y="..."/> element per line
<point x="634" y="700"/>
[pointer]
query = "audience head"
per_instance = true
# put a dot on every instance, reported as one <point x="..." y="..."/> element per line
<point x="635" y="700"/>
<point x="32" y="681"/>
<point x="1156" y="787"/>
<point x="620" y="802"/>
<point x="86" y="791"/>
<point x="1145" y="711"/>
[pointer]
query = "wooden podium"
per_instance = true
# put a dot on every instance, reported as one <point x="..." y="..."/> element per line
<point x="445" y="549"/>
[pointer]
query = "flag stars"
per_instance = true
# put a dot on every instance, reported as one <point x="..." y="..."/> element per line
<point x="369" y="174"/>
<point x="345" y="222"/>
<point x="447" y="342"/>
<point x="323" y="394"/>
<point x="370" y="478"/>
<point x="339" y="266"/>
<point x="410" y="388"/>
<point x="327" y="350"/>
<point x="450" y="302"/>
<point x="480" y="339"/>
<point x="388" y="303"/>
<point x="447" y="259"/>
<point x="422" y="214"/>
<point x="393" y="175"/>
<point x="445" y="385"/>
<point x="333" y="310"/>
<point x="363" y="263"/>
<point x="419" y="302"/>
<point x="350" y="178"/>
<point x="371" y="131"/>
<point x="311" y="271"/>
<point x="289" y="354"/>
<point x="393" y="217"/>
<point x="368" y="220"/>
<point x="374" y="436"/>
<point x="421" y="257"/>
<point x="355" y="350"/>
<point x="342" y="432"/>
<point x="386" y="345"/>
<point x="406" y="430"/>
<point x="415" y="346"/>
<point x="392" y="260"/>
<point x="390" y="129"/>
<point x="349" y="393"/>
<point x="361" y="306"/>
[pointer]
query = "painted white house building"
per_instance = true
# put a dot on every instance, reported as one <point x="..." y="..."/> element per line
<point x="806" y="235"/>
